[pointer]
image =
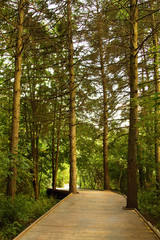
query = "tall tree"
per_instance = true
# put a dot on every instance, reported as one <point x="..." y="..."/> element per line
<point x="133" y="130"/>
<point x="72" y="117"/>
<point x="11" y="189"/>
<point x="56" y="154"/>
<point x="157" y="92"/>
<point x="105" y="100"/>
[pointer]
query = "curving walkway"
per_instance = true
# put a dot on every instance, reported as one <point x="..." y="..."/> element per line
<point x="90" y="215"/>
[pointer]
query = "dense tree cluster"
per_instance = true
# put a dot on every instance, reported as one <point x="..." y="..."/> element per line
<point x="79" y="88"/>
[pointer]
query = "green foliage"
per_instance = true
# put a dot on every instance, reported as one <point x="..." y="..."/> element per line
<point x="44" y="84"/>
<point x="118" y="159"/>
<point x="149" y="203"/>
<point x="10" y="230"/>
<point x="118" y="173"/>
<point x="89" y="157"/>
<point x="15" y="217"/>
<point x="63" y="175"/>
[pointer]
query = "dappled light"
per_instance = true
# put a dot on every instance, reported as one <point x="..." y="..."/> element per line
<point x="80" y="109"/>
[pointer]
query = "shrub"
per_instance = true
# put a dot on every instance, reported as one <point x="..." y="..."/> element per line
<point x="149" y="203"/>
<point x="16" y="217"/>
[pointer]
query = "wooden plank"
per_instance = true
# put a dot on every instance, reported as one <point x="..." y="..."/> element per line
<point x="90" y="215"/>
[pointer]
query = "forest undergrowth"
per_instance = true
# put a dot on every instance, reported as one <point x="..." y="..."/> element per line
<point x="14" y="218"/>
<point x="149" y="206"/>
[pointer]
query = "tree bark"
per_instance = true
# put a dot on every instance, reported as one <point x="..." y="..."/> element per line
<point x="35" y="140"/>
<point x="35" y="153"/>
<point x="139" y="147"/>
<point x="11" y="188"/>
<point x="105" y="102"/>
<point x="58" y="145"/>
<point x="72" y="117"/>
<point x="133" y="130"/>
<point x="36" y="171"/>
<point x="53" y="147"/>
<point x="141" y="170"/>
<point x="145" y="65"/>
<point x="56" y="160"/>
<point x="157" y="91"/>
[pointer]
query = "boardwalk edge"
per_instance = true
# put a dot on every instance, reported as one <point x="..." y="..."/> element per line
<point x="40" y="218"/>
<point x="154" y="229"/>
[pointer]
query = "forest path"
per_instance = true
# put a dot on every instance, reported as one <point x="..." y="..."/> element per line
<point x="90" y="215"/>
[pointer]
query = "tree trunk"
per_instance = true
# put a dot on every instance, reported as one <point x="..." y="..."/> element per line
<point x="53" y="147"/>
<point x="105" y="107"/>
<point x="141" y="169"/>
<point x="145" y="66"/>
<point x="72" y="117"/>
<point x="35" y="155"/>
<point x="37" y="190"/>
<point x="133" y="131"/>
<point x="139" y="147"/>
<point x="157" y="91"/>
<point x="35" y="141"/>
<point x="11" y="188"/>
<point x="56" y="162"/>
<point x="58" y="145"/>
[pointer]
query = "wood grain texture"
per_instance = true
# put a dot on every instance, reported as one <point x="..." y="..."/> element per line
<point x="90" y="215"/>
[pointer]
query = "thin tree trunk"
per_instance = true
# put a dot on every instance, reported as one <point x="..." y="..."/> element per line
<point x="145" y="65"/>
<point x="157" y="91"/>
<point x="133" y="131"/>
<point x="56" y="160"/>
<point x="35" y="142"/>
<point x="105" y="107"/>
<point x="36" y="165"/>
<point x="53" y="147"/>
<point x="35" y="155"/>
<point x="140" y="161"/>
<point x="120" y="177"/>
<point x="58" y="145"/>
<point x="72" y="117"/>
<point x="11" y="188"/>
<point x="141" y="170"/>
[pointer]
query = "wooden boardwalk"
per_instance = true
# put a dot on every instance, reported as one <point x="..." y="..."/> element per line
<point x="90" y="215"/>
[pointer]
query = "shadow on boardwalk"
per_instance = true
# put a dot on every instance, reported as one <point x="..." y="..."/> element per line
<point x="90" y="215"/>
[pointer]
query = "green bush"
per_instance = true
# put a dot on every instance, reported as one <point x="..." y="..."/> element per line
<point x="9" y="231"/>
<point x="17" y="216"/>
<point x="149" y="203"/>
